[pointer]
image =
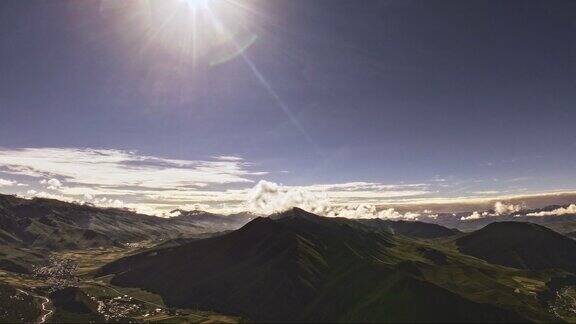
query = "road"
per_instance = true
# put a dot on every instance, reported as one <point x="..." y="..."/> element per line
<point x="46" y="312"/>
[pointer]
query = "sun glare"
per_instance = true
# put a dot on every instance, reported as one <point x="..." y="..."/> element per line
<point x="207" y="32"/>
<point x="193" y="4"/>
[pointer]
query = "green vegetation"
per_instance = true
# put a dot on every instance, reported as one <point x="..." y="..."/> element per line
<point x="17" y="306"/>
<point x="301" y="267"/>
<point x="293" y="266"/>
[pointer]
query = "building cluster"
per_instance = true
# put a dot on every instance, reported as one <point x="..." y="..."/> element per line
<point x="57" y="273"/>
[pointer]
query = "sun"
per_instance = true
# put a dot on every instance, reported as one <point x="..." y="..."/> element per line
<point x="193" y="34"/>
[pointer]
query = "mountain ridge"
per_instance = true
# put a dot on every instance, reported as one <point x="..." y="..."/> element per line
<point x="297" y="266"/>
<point x="520" y="245"/>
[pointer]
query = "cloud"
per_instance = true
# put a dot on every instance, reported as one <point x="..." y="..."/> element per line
<point x="43" y="194"/>
<point x="154" y="185"/>
<point x="196" y="206"/>
<point x="556" y="212"/>
<point x="269" y="197"/>
<point x="391" y="213"/>
<point x="228" y="158"/>
<point x="223" y="183"/>
<point x="108" y="202"/>
<point x="52" y="184"/>
<point x="115" y="168"/>
<point x="500" y="209"/>
<point x="108" y="177"/>
<point x="352" y="211"/>
<point x="6" y="183"/>
<point x="474" y="215"/>
<point x="369" y="211"/>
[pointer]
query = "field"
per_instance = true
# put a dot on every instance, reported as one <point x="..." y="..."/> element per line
<point x="91" y="299"/>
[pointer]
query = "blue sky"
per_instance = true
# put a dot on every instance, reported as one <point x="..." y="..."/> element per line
<point x="467" y="99"/>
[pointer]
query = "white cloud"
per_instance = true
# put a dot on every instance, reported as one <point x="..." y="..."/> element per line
<point x="108" y="202"/>
<point x="500" y="209"/>
<point x="474" y="215"/>
<point x="224" y="183"/>
<point x="269" y="197"/>
<point x="114" y="178"/>
<point x="352" y="211"/>
<point x="134" y="179"/>
<point x="196" y="206"/>
<point x="43" y="194"/>
<point x="228" y="158"/>
<point x="52" y="184"/>
<point x="390" y="213"/>
<point x="114" y="168"/>
<point x="6" y="183"/>
<point x="556" y="212"/>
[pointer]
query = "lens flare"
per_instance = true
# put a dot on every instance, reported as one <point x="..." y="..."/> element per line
<point x="181" y="39"/>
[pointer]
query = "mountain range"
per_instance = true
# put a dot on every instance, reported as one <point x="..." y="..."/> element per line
<point x="564" y="224"/>
<point x="297" y="266"/>
<point x="29" y="226"/>
<point x="294" y="266"/>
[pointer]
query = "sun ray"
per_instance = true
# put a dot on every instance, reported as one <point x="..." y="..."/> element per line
<point x="260" y="77"/>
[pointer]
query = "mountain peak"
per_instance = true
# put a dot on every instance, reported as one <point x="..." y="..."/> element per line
<point x="294" y="212"/>
<point x="520" y="245"/>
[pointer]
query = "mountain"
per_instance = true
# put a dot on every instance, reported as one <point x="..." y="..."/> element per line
<point x="414" y="229"/>
<point x="521" y="245"/>
<point x="30" y="226"/>
<point x="211" y="221"/>
<point x="297" y="266"/>
<point x="563" y="224"/>
<point x="60" y="225"/>
<point x="54" y="225"/>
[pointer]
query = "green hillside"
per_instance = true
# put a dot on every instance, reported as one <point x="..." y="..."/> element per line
<point x="297" y="266"/>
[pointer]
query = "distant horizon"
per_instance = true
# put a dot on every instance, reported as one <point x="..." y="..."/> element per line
<point x="472" y="208"/>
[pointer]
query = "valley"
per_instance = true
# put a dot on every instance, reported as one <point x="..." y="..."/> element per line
<point x="292" y="266"/>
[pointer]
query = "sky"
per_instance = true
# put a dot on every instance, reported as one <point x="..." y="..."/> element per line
<point x="334" y="105"/>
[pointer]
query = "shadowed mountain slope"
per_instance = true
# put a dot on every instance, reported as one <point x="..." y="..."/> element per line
<point x="296" y="266"/>
<point x="563" y="224"/>
<point x="213" y="221"/>
<point x="411" y="228"/>
<point x="520" y="245"/>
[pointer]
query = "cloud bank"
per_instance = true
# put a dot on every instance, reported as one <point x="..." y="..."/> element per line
<point x="269" y="197"/>
<point x="227" y="184"/>
<point x="556" y="212"/>
<point x="500" y="209"/>
<point x="157" y="185"/>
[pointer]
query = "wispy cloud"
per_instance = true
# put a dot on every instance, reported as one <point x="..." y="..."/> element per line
<point x="228" y="158"/>
<point x="6" y="183"/>
<point x="96" y="175"/>
<point x="114" y="168"/>
<point x="229" y="183"/>
<point x="115" y="178"/>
